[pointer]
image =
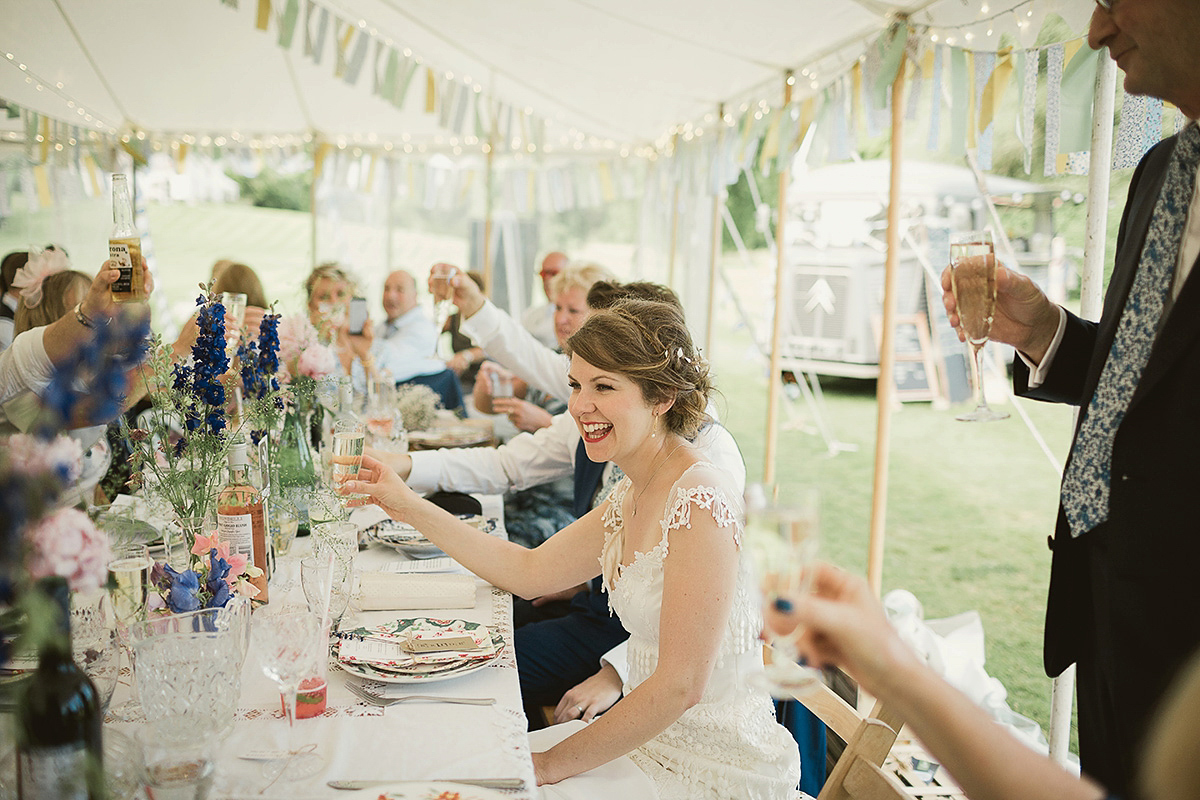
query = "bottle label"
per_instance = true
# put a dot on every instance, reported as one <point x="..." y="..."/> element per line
<point x="126" y="252"/>
<point x="238" y="531"/>
<point x="53" y="773"/>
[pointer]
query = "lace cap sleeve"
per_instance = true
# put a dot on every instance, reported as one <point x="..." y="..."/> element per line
<point x="704" y="487"/>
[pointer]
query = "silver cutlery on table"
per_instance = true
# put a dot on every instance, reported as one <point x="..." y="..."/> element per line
<point x="486" y="783"/>
<point x="384" y="702"/>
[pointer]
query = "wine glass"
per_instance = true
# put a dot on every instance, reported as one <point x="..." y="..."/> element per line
<point x="973" y="281"/>
<point x="443" y="294"/>
<point x="349" y="437"/>
<point x="781" y="534"/>
<point x="290" y="647"/>
<point x="130" y="573"/>
<point x="315" y="575"/>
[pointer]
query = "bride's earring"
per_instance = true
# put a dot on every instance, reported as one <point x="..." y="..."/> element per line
<point x="654" y="427"/>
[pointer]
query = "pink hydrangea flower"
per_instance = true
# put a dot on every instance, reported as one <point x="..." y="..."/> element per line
<point x="317" y="362"/>
<point x="32" y="456"/>
<point x="296" y="334"/>
<point x="66" y="543"/>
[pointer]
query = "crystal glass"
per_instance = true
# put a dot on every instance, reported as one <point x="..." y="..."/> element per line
<point x="290" y="646"/>
<point x="349" y="439"/>
<point x="235" y="314"/>
<point x="443" y="294"/>
<point x="176" y="764"/>
<point x="782" y="537"/>
<point x="129" y="582"/>
<point x="973" y="281"/>
<point x="315" y="572"/>
<point x="324" y="506"/>
<point x="189" y="670"/>
<point x="95" y="644"/>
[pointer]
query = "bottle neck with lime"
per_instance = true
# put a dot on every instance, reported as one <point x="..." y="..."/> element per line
<point x="125" y="245"/>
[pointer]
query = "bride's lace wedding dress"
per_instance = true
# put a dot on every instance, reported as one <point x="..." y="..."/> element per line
<point x="728" y="745"/>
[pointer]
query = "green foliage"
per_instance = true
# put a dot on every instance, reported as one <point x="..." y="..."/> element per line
<point x="271" y="189"/>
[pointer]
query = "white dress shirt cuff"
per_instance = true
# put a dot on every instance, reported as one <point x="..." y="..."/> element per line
<point x="618" y="658"/>
<point x="1037" y="372"/>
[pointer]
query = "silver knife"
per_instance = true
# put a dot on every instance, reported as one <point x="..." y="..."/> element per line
<point x="486" y="783"/>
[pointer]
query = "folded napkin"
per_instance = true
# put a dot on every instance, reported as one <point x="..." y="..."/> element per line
<point x="386" y="591"/>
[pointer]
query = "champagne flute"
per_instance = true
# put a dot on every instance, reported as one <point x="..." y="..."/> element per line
<point x="782" y="537"/>
<point x="290" y="649"/>
<point x="973" y="281"/>
<point x="349" y="438"/>
<point x="130" y="571"/>
<point x="443" y="294"/>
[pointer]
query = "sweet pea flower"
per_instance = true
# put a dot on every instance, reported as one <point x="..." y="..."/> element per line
<point x="184" y="594"/>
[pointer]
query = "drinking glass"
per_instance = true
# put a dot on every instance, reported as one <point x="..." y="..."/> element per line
<point x="129" y="572"/>
<point x="443" y="294"/>
<point x="315" y="574"/>
<point x="973" y="281"/>
<point x="349" y="437"/>
<point x="176" y="764"/>
<point x="502" y="383"/>
<point x="781" y="534"/>
<point x="290" y="646"/>
<point x="341" y="537"/>
<point x="324" y="506"/>
<point x="235" y="313"/>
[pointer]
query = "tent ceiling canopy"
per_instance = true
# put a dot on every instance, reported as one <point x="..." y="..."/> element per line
<point x="624" y="72"/>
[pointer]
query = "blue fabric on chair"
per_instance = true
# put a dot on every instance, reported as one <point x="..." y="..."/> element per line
<point x="809" y="732"/>
<point x="445" y="384"/>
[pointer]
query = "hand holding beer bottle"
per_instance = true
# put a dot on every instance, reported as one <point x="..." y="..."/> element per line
<point x="125" y="246"/>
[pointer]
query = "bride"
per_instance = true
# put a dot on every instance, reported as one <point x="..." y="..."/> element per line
<point x="692" y="722"/>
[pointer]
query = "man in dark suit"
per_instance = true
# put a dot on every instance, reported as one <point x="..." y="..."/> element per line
<point x="1124" y="602"/>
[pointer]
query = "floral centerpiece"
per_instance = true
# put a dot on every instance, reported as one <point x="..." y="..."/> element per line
<point x="181" y="454"/>
<point x="303" y="361"/>
<point x="215" y="576"/>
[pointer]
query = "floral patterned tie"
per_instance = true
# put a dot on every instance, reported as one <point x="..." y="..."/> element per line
<point x="1085" y="491"/>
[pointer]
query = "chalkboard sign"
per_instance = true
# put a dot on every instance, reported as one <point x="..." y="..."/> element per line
<point x="913" y="371"/>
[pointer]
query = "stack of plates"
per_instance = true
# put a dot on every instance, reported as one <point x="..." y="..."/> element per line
<point x="406" y="539"/>
<point x="385" y="653"/>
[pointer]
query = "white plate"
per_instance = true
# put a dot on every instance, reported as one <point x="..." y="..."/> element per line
<point x="424" y="790"/>
<point x="368" y="673"/>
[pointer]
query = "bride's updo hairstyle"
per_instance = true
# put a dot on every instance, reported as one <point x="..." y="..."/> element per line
<point x="649" y="343"/>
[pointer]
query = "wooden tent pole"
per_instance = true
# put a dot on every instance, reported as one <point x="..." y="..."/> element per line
<point x="672" y="245"/>
<point x="312" y="197"/>
<point x="885" y="387"/>
<point x="774" y="380"/>
<point x="714" y="257"/>
<point x="488" y="208"/>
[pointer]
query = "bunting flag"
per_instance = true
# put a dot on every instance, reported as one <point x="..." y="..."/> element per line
<point x="264" y="14"/>
<point x="287" y="23"/>
<point x="356" y="58"/>
<point x="936" y="98"/>
<point x="890" y="47"/>
<point x="1054" y="69"/>
<point x="770" y="143"/>
<point x="430" y="91"/>
<point x="914" y="83"/>
<point x="1029" y="78"/>
<point x="1140" y="129"/>
<point x="985" y="66"/>
<point x="1078" y="91"/>
<point x="316" y="25"/>
<point x="41" y="179"/>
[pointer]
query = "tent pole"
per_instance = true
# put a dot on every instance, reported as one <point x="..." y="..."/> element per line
<point x="391" y="210"/>
<point x="674" y="216"/>
<point x="885" y="387"/>
<point x="714" y="257"/>
<point x="1091" y="298"/>
<point x="487" y="207"/>
<point x="774" y="379"/>
<point x="312" y="197"/>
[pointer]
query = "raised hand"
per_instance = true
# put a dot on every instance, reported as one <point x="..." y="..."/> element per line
<point x="1024" y="317"/>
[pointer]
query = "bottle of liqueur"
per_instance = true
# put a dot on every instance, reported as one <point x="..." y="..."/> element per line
<point x="240" y="518"/>
<point x="125" y="246"/>
<point x="59" y="750"/>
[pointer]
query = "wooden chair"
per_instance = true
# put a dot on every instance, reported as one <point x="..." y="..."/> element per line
<point x="858" y="774"/>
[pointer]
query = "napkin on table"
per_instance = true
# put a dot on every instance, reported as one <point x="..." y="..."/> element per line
<point x="388" y="591"/>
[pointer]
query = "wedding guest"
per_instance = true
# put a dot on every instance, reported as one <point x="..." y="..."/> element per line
<point x="843" y="624"/>
<point x="467" y="356"/>
<point x="691" y="724"/>
<point x="328" y="289"/>
<point x="539" y="319"/>
<point x="404" y="345"/>
<point x="9" y="295"/>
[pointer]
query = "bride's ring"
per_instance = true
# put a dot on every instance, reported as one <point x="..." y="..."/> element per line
<point x="580" y="710"/>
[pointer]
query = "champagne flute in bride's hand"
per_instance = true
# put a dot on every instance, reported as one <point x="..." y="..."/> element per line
<point x="781" y="533"/>
<point x="973" y="281"/>
<point x="443" y="294"/>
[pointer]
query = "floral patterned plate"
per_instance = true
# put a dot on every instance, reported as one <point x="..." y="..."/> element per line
<point x="429" y="790"/>
<point x="439" y="669"/>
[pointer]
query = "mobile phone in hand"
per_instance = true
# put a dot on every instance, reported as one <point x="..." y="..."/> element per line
<point x="357" y="317"/>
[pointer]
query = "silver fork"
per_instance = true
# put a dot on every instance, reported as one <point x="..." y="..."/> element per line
<point x="384" y="702"/>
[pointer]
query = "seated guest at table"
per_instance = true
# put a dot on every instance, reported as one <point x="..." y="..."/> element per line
<point x="241" y="279"/>
<point x="561" y="637"/>
<point x="10" y="296"/>
<point x="328" y="289"/>
<point x="468" y="356"/>
<point x="843" y="624"/>
<point x="404" y="345"/>
<point x="667" y="544"/>
<point x="539" y="319"/>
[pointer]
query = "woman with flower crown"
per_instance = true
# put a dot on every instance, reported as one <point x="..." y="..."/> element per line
<point x="667" y="542"/>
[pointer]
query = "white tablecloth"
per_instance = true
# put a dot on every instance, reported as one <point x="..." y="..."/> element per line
<point x="409" y="741"/>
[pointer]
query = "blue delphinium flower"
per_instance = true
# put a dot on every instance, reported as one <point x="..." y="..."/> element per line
<point x="184" y="594"/>
<point x="215" y="583"/>
<point x="260" y="362"/>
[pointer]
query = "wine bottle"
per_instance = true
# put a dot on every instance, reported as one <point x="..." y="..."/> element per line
<point x="240" y="518"/>
<point x="59" y="750"/>
<point x="125" y="246"/>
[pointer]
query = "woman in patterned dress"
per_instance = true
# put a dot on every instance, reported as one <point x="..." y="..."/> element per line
<point x="693" y="722"/>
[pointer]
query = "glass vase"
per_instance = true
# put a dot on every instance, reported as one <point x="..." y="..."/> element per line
<point x="297" y="469"/>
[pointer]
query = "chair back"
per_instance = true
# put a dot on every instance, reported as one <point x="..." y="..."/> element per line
<point x="858" y="774"/>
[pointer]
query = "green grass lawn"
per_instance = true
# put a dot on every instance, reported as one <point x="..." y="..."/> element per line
<point x="969" y="505"/>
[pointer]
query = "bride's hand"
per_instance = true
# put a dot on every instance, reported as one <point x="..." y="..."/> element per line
<point x="381" y="485"/>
